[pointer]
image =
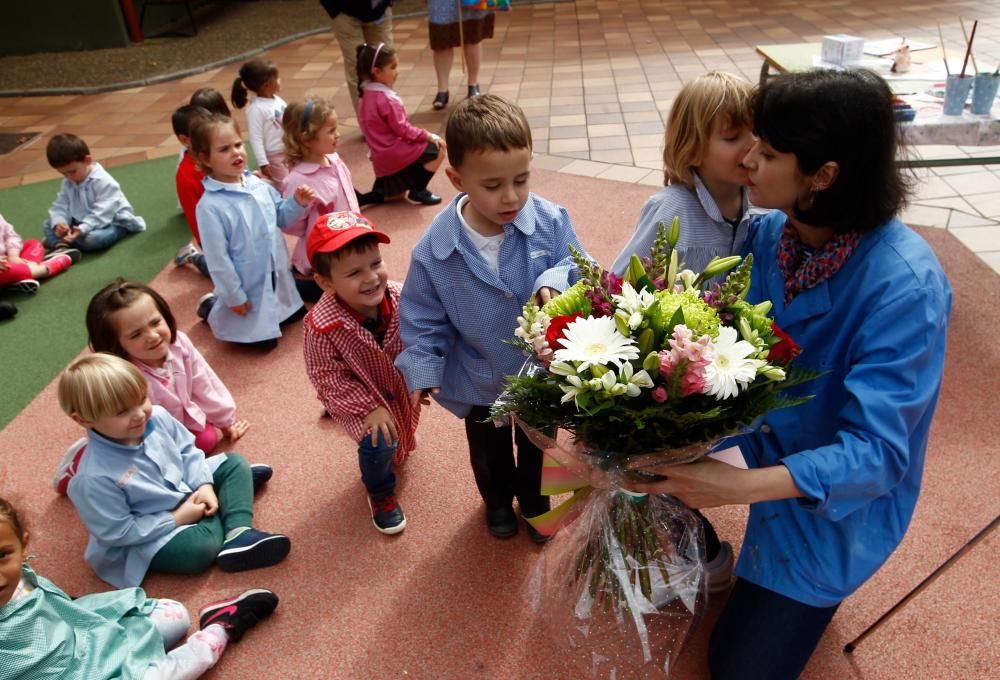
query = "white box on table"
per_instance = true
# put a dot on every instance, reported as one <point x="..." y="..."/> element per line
<point x="842" y="49"/>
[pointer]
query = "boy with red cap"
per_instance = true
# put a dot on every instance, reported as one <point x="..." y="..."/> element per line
<point x="351" y="341"/>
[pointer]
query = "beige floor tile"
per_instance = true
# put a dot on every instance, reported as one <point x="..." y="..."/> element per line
<point x="979" y="239"/>
<point x="606" y="130"/>
<point x="974" y="183"/>
<point x="992" y="258"/>
<point x="623" y="173"/>
<point x="585" y="168"/>
<point x="557" y="146"/>
<point x="918" y="215"/>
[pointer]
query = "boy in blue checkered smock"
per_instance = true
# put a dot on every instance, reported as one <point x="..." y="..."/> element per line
<point x="493" y="247"/>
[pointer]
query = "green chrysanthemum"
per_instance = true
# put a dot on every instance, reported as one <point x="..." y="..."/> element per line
<point x="698" y="316"/>
<point x="761" y="323"/>
<point x="574" y="299"/>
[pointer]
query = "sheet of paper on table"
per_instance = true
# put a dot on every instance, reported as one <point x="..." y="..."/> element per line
<point x="882" y="48"/>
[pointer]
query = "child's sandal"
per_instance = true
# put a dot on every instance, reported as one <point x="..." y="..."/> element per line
<point x="440" y="100"/>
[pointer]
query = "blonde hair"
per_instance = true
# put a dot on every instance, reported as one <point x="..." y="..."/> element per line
<point x="297" y="130"/>
<point x="99" y="385"/>
<point x="715" y="96"/>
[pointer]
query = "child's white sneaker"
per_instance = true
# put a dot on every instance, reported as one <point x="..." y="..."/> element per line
<point x="69" y="465"/>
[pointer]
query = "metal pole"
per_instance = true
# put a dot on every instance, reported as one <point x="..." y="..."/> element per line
<point x="983" y="533"/>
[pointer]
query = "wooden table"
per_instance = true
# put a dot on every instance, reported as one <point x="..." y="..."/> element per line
<point x="972" y="130"/>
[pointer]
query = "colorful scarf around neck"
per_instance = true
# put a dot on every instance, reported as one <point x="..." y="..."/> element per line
<point x="804" y="267"/>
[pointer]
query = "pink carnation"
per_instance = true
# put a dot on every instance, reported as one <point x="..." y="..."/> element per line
<point x="660" y="394"/>
<point x="691" y="357"/>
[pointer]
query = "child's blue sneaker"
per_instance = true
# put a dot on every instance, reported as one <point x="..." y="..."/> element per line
<point x="253" y="549"/>
<point x="387" y="516"/>
<point x="205" y="305"/>
<point x="260" y="473"/>
<point x="186" y="254"/>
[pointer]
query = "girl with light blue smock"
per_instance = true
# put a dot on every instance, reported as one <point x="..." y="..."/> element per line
<point x="239" y="218"/>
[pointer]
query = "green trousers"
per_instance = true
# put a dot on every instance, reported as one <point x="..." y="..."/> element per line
<point x="193" y="550"/>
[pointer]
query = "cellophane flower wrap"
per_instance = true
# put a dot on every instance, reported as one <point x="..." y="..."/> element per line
<point x="625" y="374"/>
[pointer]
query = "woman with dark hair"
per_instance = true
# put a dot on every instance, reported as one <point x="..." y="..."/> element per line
<point x="832" y="483"/>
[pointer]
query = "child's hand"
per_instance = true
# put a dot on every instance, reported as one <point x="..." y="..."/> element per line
<point x="60" y="230"/>
<point x="304" y="195"/>
<point x="188" y="512"/>
<point x="236" y="430"/>
<point x="73" y="234"/>
<point x="243" y="309"/>
<point x="380" y="420"/>
<point x="205" y="496"/>
<point x="418" y="397"/>
<point x="436" y="140"/>
<point x="265" y="170"/>
<point x="545" y="294"/>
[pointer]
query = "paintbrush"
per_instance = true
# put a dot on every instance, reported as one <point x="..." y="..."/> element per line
<point x="944" y="53"/>
<point x="965" y="35"/>
<point x="968" y="47"/>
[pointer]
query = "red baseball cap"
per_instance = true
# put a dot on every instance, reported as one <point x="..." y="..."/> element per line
<point x="333" y="231"/>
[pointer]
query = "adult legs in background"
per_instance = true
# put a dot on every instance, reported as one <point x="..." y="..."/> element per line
<point x="473" y="57"/>
<point x="442" y="67"/>
<point x="762" y="635"/>
<point x="350" y="33"/>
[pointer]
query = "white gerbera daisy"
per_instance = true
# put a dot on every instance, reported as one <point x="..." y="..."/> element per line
<point x="730" y="368"/>
<point x="593" y="341"/>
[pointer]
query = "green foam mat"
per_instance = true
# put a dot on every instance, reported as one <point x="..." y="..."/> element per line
<point x="49" y="328"/>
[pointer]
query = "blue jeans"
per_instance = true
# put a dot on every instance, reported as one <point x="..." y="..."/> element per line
<point x="762" y="635"/>
<point x="376" y="465"/>
<point x="98" y="239"/>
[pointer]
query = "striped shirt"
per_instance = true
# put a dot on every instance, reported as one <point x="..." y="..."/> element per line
<point x="704" y="232"/>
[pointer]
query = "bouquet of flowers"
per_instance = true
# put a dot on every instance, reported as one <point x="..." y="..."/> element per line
<point x="652" y="368"/>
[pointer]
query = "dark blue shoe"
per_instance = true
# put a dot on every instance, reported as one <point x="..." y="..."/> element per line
<point x="253" y="549"/>
<point x="261" y="474"/>
<point x="387" y="516"/>
<point x="205" y="305"/>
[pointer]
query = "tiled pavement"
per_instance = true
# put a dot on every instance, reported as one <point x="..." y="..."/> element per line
<point x="595" y="77"/>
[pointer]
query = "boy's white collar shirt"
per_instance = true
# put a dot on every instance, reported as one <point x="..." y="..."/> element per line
<point x="488" y="246"/>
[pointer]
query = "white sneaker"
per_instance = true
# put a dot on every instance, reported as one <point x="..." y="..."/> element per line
<point x="69" y="465"/>
<point x="719" y="571"/>
<point x="185" y="254"/>
<point x="25" y="286"/>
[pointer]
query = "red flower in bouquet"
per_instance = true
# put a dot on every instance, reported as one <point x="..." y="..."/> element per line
<point x="557" y="327"/>
<point x="785" y="350"/>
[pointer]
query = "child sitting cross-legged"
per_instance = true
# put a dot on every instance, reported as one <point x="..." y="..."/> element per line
<point x="149" y="498"/>
<point x="44" y="633"/>
<point x="23" y="263"/>
<point x="90" y="211"/>
<point x="351" y="341"/>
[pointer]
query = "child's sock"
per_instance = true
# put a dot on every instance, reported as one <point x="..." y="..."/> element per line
<point x="233" y="533"/>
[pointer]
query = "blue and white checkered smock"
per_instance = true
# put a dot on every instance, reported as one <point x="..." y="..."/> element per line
<point x="704" y="232"/>
<point x="456" y="313"/>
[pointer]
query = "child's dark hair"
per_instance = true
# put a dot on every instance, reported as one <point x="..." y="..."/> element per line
<point x="845" y="117"/>
<point x="321" y="262"/>
<point x="211" y="99"/>
<point x="114" y="297"/>
<point x="201" y="137"/>
<point x="371" y="57"/>
<point x="487" y="122"/>
<point x="184" y="117"/>
<point x="8" y="513"/>
<point x="253" y="75"/>
<point x="65" y="149"/>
